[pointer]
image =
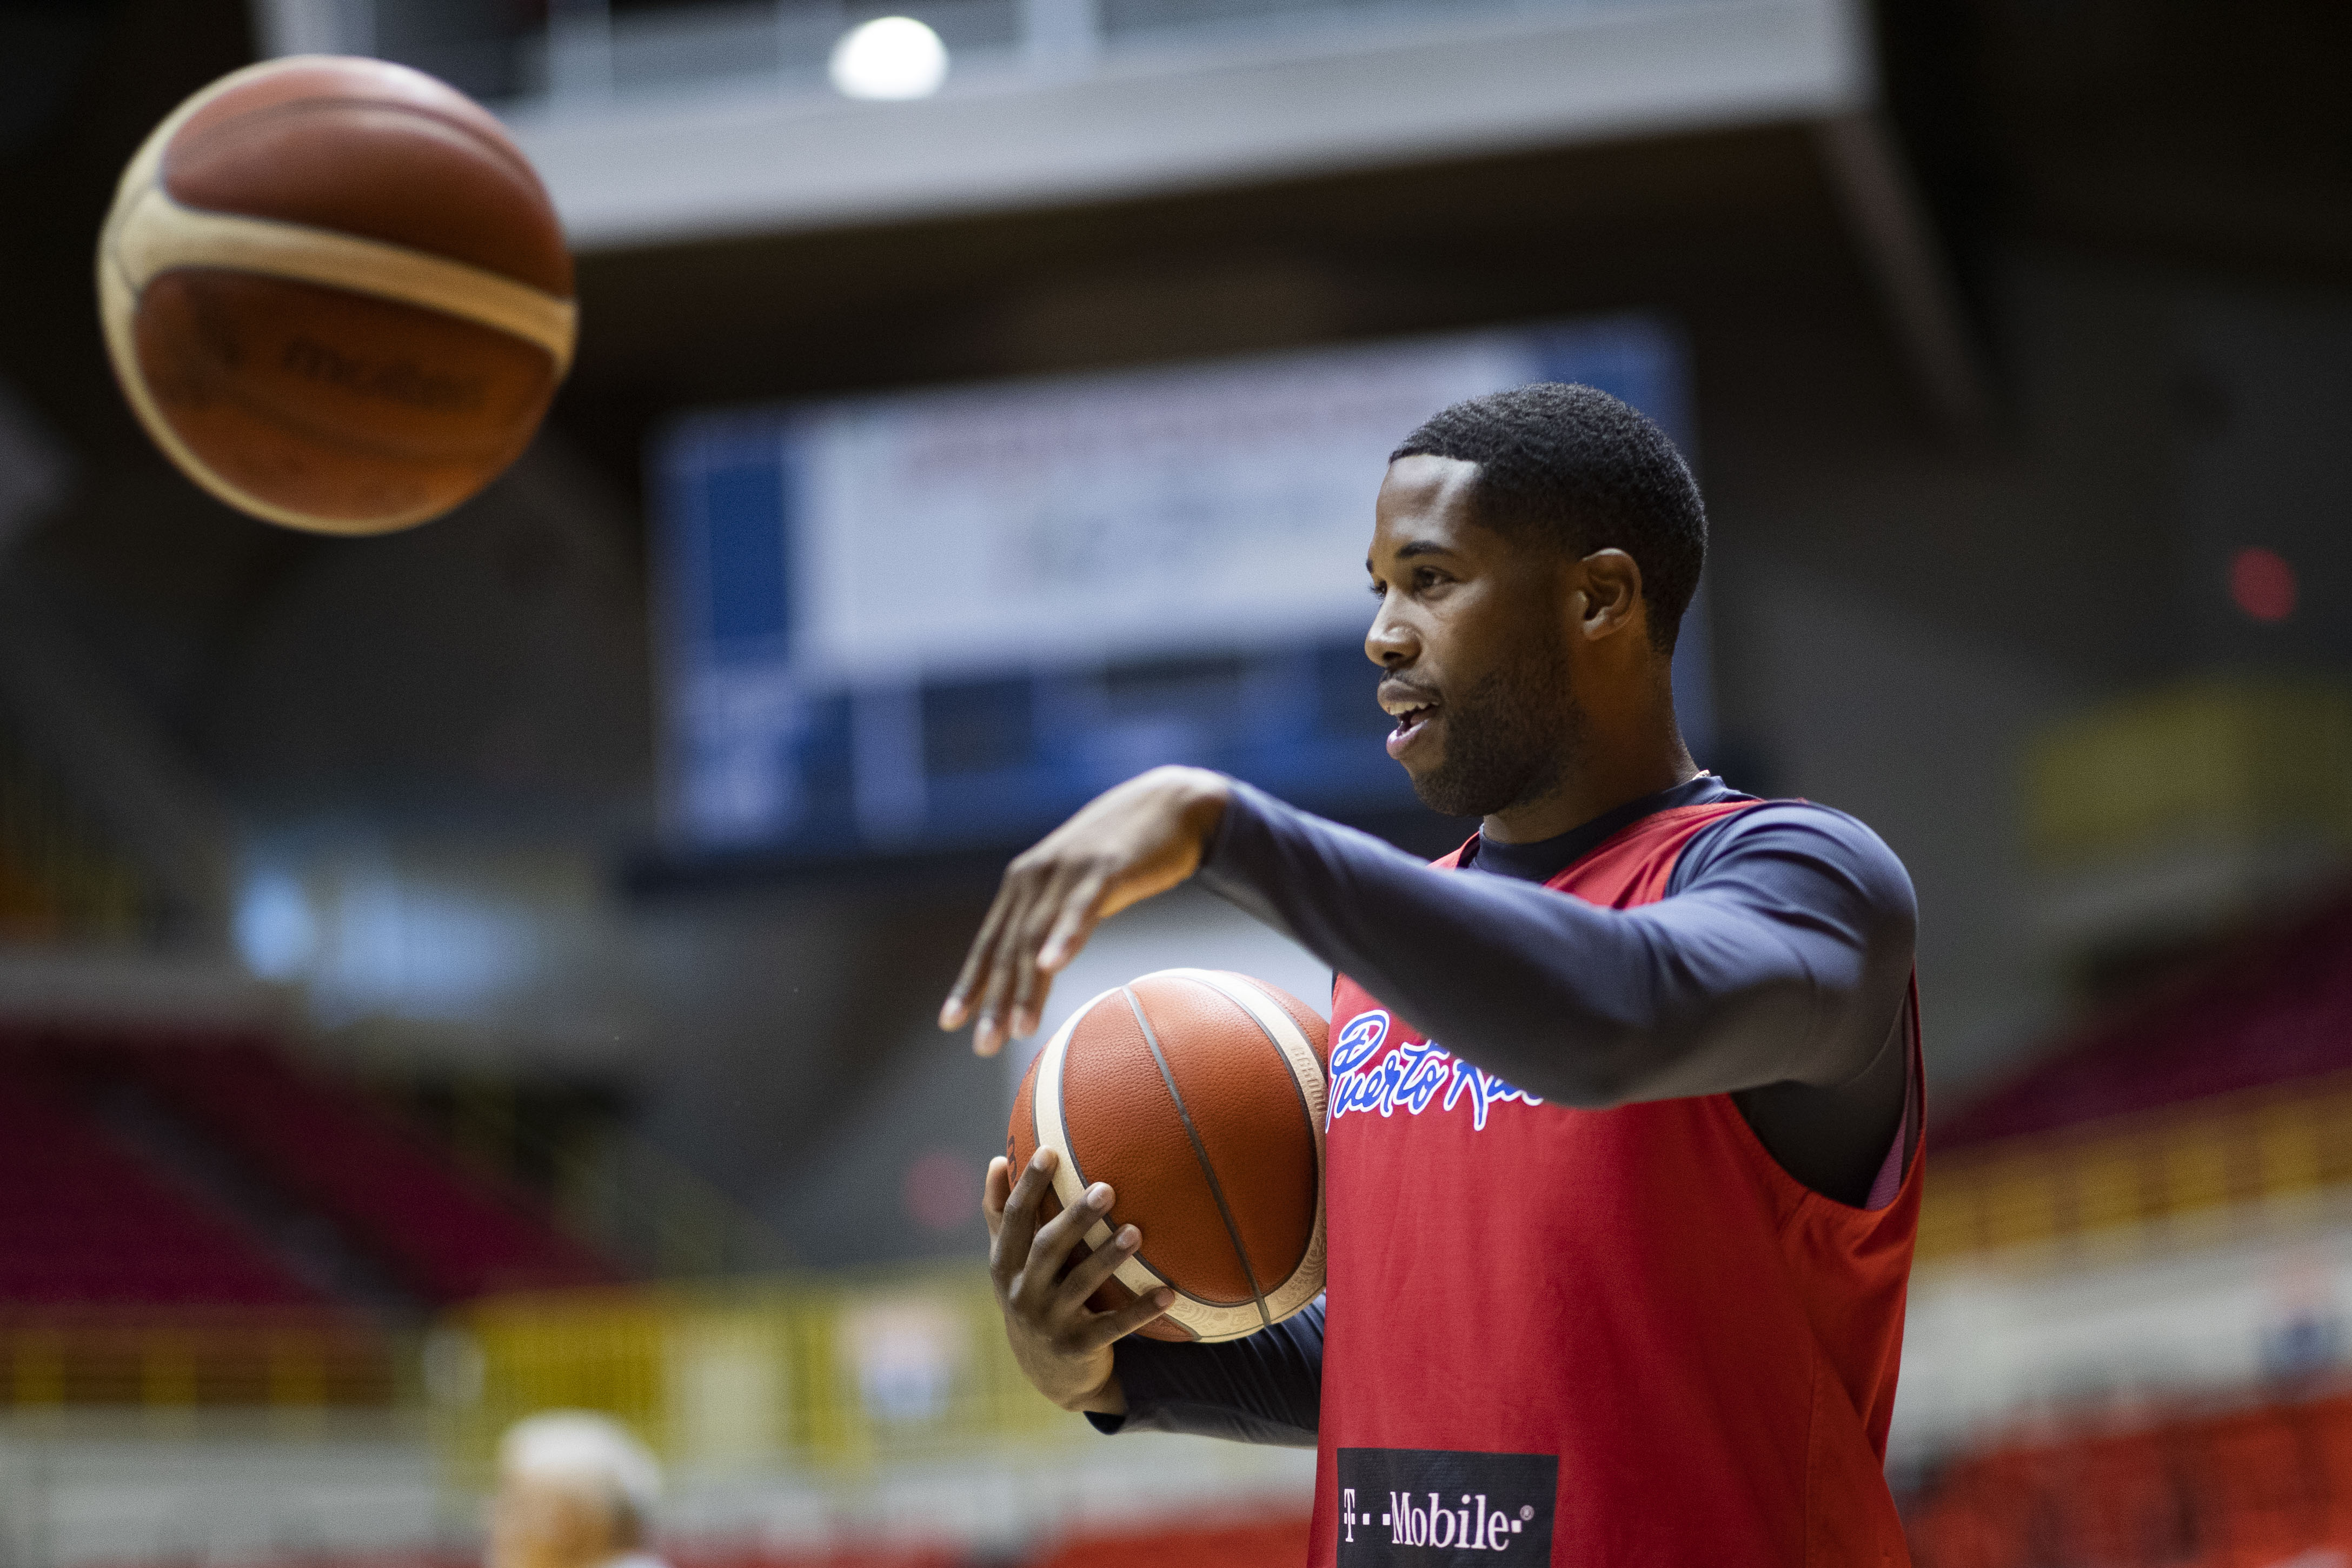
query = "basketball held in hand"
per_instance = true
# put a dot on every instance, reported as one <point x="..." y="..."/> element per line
<point x="1199" y="1095"/>
<point x="335" y="293"/>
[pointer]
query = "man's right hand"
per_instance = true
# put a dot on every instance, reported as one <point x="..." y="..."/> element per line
<point x="1063" y="1344"/>
<point x="1129" y="843"/>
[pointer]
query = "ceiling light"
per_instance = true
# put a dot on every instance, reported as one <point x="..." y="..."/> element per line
<point x="889" y="57"/>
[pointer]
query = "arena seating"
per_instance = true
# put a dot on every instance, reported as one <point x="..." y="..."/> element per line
<point x="88" y="1221"/>
<point x="2228" y="1087"/>
<point x="2274" y="1007"/>
<point x="691" y="1554"/>
<point x="1242" y="1544"/>
<point x="2241" y="1488"/>
<point x="1266" y="1543"/>
<point x="84" y="1223"/>
<point x="451" y="1234"/>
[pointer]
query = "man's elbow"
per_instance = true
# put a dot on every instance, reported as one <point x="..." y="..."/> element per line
<point x="1752" y="1037"/>
<point x="1607" y="1072"/>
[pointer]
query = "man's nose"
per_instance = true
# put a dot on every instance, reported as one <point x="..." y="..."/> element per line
<point x="1390" y="643"/>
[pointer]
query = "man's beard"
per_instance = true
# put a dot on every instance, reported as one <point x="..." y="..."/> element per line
<point x="1507" y="741"/>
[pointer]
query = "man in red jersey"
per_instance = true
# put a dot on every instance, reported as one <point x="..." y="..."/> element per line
<point x="1622" y="1173"/>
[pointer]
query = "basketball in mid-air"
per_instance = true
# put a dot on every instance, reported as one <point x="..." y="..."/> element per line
<point x="1199" y="1095"/>
<point x="336" y="293"/>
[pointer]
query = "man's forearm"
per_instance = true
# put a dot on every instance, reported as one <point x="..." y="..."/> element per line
<point x="1579" y="1004"/>
<point x="1267" y="1388"/>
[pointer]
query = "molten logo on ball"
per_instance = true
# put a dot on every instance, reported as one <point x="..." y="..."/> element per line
<point x="335" y="294"/>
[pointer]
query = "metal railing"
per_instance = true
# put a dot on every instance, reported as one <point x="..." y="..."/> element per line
<point x="163" y="1360"/>
<point x="802" y="1373"/>
<point x="820" y="1372"/>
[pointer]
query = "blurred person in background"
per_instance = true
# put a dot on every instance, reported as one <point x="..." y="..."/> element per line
<point x="575" y="1490"/>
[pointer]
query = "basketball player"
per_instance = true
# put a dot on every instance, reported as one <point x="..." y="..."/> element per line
<point x="1622" y="1175"/>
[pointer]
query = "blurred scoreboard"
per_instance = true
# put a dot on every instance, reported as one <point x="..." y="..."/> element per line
<point x="945" y="619"/>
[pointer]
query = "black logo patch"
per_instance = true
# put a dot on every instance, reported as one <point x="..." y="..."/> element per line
<point x="1431" y="1507"/>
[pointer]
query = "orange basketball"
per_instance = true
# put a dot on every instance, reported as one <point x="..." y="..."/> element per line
<point x="1198" y="1095"/>
<point x="336" y="294"/>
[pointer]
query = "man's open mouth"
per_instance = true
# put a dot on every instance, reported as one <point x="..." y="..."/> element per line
<point x="1411" y="715"/>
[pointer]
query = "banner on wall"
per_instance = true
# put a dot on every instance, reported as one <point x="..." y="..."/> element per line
<point x="948" y="618"/>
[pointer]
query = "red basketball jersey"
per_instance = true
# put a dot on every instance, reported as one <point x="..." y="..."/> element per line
<point x="1594" y="1338"/>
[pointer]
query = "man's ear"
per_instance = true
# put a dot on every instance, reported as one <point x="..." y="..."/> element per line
<point x="1611" y="594"/>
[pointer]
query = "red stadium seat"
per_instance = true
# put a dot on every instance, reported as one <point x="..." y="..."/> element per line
<point x="706" y="1555"/>
<point x="2266" y="1484"/>
<point x="86" y="1222"/>
<point x="1256" y="1543"/>
<point x="2134" y="1501"/>
<point x="2275" y="1009"/>
<point x="451" y="1234"/>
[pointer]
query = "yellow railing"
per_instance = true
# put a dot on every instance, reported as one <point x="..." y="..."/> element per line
<point x="2153" y="1178"/>
<point x="2207" y="762"/>
<point x="835" y="1372"/>
<point x="167" y="1359"/>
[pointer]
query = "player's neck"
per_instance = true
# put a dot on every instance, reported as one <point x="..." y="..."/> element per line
<point x="1615" y="764"/>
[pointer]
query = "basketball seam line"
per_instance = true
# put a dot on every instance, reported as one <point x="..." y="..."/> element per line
<point x="1216" y="1189"/>
<point x="1210" y="979"/>
<point x="181" y="235"/>
<point x="1069" y="1152"/>
<point x="1305" y="1111"/>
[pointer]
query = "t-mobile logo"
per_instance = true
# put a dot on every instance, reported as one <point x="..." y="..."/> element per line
<point x="1435" y="1506"/>
<point x="1409" y="1523"/>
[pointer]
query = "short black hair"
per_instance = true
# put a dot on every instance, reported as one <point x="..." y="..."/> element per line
<point x="1589" y="471"/>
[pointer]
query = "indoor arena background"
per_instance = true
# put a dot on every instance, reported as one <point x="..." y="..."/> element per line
<point x="491" y="968"/>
